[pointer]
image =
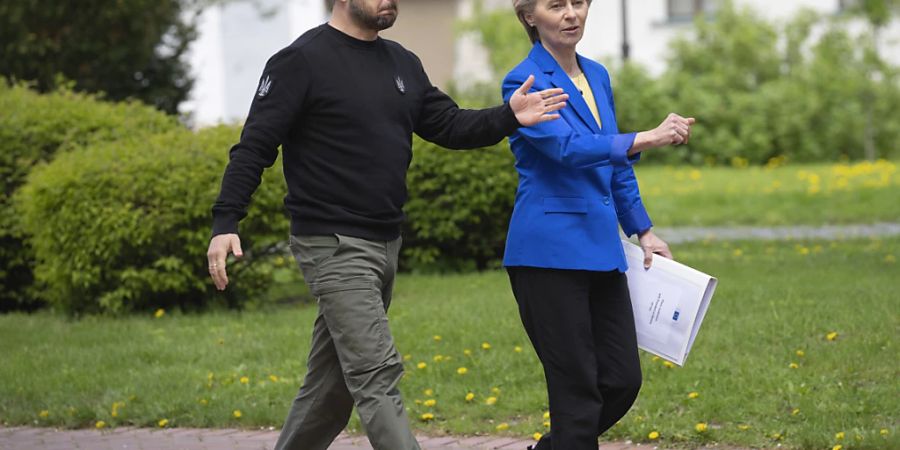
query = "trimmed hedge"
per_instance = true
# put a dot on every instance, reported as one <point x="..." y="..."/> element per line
<point x="35" y="127"/>
<point x="124" y="225"/>
<point x="459" y="207"/>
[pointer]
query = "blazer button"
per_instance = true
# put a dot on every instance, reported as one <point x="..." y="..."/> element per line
<point x="605" y="200"/>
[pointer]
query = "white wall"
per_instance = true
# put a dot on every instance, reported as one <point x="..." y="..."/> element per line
<point x="235" y="41"/>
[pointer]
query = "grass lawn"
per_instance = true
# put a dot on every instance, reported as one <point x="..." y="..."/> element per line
<point x="763" y="369"/>
<point x="808" y="194"/>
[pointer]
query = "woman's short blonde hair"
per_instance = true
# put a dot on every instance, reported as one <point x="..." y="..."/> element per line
<point x="523" y="7"/>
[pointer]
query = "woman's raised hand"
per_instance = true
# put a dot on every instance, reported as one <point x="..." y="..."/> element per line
<point x="674" y="130"/>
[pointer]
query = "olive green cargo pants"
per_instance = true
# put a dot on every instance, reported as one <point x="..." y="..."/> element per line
<point x="352" y="359"/>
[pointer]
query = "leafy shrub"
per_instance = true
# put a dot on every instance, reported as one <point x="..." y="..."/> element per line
<point x="761" y="91"/>
<point x="124" y="225"/>
<point x="33" y="128"/>
<point x="459" y="207"/>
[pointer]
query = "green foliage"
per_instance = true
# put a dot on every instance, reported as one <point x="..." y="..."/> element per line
<point x="760" y="91"/>
<point x="501" y="32"/>
<point x="126" y="49"/>
<point x="33" y="129"/>
<point x="124" y="225"/>
<point x="459" y="206"/>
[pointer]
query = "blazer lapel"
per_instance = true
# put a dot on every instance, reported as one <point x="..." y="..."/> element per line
<point x="559" y="78"/>
<point x="601" y="96"/>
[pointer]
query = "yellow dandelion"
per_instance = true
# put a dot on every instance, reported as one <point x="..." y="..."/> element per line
<point x="738" y="253"/>
<point x="237" y="414"/>
<point x="418" y="402"/>
<point x="426" y="417"/>
<point x="837" y="447"/>
<point x="490" y="401"/>
<point x="462" y="371"/>
<point x="800" y="353"/>
<point x="485" y="346"/>
<point x="831" y="336"/>
<point x="777" y="436"/>
<point x="430" y="402"/>
<point x="428" y="392"/>
<point x="421" y="365"/>
<point x="438" y="358"/>
<point x="470" y="396"/>
<point x="693" y="395"/>
<point x="503" y="426"/>
<point x="437" y="338"/>
<point x="695" y="175"/>
<point x="44" y="414"/>
<point x="795" y="411"/>
<point x="407" y="357"/>
<point x="273" y="378"/>
<point x="884" y="432"/>
<point x="537" y="436"/>
<point x="204" y="401"/>
<point x="517" y="349"/>
<point x="467" y="352"/>
<point x="546" y="415"/>
<point x="495" y="390"/>
<point x="802" y="250"/>
<point x="162" y="423"/>
<point x="159" y="313"/>
<point x="668" y="365"/>
<point x="654" y="435"/>
<point x="546" y="424"/>
<point x="245" y="380"/>
<point x="100" y="424"/>
<point x="654" y="359"/>
<point x="839" y="435"/>
<point x="743" y="427"/>
<point x="701" y="427"/>
<point x="890" y="259"/>
<point x="794" y="365"/>
<point x="221" y="341"/>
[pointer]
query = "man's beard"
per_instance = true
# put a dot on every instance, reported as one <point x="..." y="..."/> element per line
<point x="372" y="21"/>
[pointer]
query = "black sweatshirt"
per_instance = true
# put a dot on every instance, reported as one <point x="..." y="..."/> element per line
<point x="344" y="111"/>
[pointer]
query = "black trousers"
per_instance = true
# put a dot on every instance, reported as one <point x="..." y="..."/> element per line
<point x="582" y="327"/>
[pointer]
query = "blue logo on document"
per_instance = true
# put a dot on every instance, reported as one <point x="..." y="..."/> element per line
<point x="675" y="316"/>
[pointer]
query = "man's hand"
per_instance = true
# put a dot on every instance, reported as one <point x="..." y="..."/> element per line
<point x="652" y="244"/>
<point x="219" y="247"/>
<point x="536" y="107"/>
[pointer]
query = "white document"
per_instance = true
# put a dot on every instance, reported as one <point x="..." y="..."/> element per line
<point x="669" y="302"/>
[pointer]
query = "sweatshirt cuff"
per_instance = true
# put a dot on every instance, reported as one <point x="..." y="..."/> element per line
<point x="620" y="145"/>
<point x="635" y="220"/>
<point x="508" y="120"/>
<point x="225" y="224"/>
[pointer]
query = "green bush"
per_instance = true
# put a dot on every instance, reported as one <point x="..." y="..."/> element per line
<point x="124" y="225"/>
<point x="760" y="90"/>
<point x="33" y="128"/>
<point x="459" y="207"/>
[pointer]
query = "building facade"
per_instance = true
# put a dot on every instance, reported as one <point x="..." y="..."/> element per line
<point x="237" y="37"/>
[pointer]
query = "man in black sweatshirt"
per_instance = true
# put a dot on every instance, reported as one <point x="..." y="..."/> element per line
<point x="343" y="104"/>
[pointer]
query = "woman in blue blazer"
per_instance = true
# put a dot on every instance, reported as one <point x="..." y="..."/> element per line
<point x="563" y="253"/>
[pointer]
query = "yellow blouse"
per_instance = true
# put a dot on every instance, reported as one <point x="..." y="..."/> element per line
<point x="581" y="83"/>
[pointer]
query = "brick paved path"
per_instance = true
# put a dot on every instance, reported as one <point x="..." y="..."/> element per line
<point x="124" y="438"/>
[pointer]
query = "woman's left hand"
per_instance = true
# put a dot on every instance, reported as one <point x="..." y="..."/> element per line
<point x="651" y="244"/>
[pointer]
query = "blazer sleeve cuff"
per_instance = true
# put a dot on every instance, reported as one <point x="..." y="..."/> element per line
<point x="635" y="220"/>
<point x="619" y="154"/>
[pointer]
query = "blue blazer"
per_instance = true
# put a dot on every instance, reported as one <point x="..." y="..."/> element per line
<point x="576" y="183"/>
